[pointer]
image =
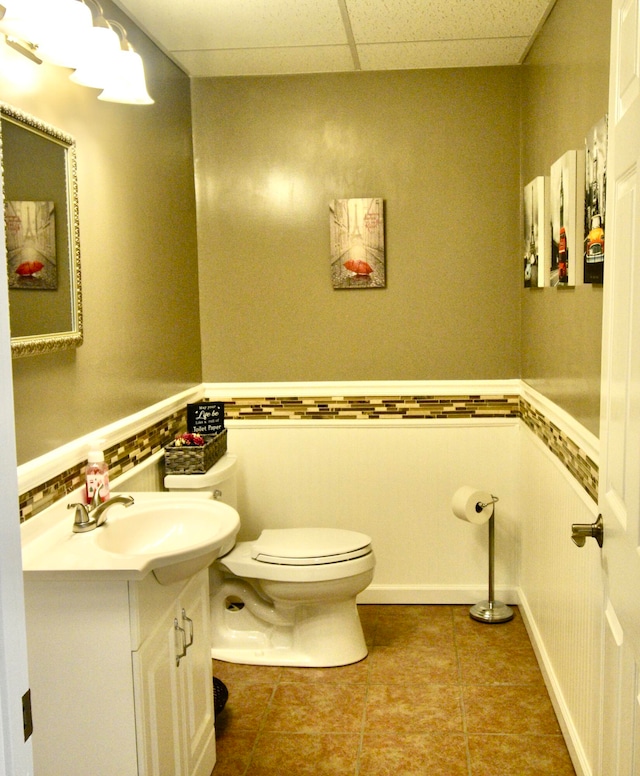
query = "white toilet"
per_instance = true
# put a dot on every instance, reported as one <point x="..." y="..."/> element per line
<point x="287" y="598"/>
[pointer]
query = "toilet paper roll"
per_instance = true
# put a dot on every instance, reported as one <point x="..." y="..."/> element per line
<point x="465" y="505"/>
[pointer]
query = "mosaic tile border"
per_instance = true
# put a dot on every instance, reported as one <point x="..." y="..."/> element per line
<point x="120" y="458"/>
<point x="137" y="448"/>
<point x="571" y="456"/>
<point x="371" y="407"/>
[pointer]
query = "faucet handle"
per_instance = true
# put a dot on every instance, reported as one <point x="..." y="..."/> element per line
<point x="81" y="521"/>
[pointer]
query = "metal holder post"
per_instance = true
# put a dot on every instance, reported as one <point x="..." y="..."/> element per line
<point x="491" y="611"/>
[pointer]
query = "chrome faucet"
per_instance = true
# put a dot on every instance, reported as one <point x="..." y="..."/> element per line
<point x="87" y="518"/>
<point x="99" y="513"/>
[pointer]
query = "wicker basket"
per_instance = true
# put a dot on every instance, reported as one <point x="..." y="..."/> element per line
<point x="195" y="460"/>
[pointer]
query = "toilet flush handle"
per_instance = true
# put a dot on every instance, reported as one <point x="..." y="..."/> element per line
<point x="217" y="494"/>
<point x="580" y="532"/>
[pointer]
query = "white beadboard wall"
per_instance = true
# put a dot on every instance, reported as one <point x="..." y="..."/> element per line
<point x="394" y="482"/>
<point x="561" y="596"/>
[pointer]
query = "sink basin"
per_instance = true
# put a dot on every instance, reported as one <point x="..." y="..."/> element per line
<point x="180" y="536"/>
<point x="171" y="535"/>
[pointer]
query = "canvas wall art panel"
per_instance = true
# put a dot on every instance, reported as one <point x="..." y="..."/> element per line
<point x="595" y="169"/>
<point x="357" y="243"/>
<point x="31" y="245"/>
<point x="566" y="266"/>
<point x="536" y="233"/>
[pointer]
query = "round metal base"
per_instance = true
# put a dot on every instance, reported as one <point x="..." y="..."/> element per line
<point x="491" y="611"/>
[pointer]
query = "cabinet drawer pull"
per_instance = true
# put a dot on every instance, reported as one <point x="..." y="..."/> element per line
<point x="176" y="627"/>
<point x="190" y="621"/>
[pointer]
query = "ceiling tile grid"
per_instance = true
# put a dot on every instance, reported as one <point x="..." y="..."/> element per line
<point x="260" y="37"/>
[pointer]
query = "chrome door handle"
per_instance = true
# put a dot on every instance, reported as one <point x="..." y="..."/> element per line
<point x="580" y="532"/>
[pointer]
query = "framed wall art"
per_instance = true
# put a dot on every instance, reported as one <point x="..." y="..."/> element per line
<point x="30" y="229"/>
<point x="595" y="174"/>
<point x="536" y="233"/>
<point x="357" y="243"/>
<point x="566" y="266"/>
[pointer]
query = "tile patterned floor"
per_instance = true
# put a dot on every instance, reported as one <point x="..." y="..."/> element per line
<point x="438" y="695"/>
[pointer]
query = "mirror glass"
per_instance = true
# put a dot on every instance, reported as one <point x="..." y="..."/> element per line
<point x="40" y="193"/>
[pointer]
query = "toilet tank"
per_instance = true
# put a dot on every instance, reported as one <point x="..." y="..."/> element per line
<point x="220" y="479"/>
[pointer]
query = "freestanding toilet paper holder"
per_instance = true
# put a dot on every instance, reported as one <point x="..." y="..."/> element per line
<point x="491" y="611"/>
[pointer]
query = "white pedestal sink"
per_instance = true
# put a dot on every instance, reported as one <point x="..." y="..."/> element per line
<point x="172" y="535"/>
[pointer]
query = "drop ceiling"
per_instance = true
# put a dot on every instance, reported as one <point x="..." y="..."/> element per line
<point x="264" y="37"/>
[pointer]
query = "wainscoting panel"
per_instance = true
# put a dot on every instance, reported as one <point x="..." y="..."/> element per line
<point x="561" y="595"/>
<point x="393" y="482"/>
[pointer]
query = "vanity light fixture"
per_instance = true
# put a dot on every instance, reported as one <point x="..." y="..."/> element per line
<point x="75" y="34"/>
<point x="64" y="24"/>
<point x="100" y="45"/>
<point x="126" y="82"/>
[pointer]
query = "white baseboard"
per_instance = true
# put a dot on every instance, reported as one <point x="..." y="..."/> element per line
<point x="571" y="737"/>
<point x="433" y="594"/>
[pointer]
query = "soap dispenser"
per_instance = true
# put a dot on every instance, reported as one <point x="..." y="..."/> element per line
<point x="97" y="476"/>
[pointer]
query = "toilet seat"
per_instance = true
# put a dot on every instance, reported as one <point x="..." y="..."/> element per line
<point x="309" y="546"/>
<point x="294" y="555"/>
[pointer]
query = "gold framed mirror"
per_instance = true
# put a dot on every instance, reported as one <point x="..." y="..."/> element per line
<point x="40" y="197"/>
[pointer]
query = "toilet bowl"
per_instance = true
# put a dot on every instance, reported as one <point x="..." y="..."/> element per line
<point x="287" y="598"/>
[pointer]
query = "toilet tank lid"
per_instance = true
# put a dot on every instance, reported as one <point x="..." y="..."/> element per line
<point x="322" y="545"/>
<point x="221" y="469"/>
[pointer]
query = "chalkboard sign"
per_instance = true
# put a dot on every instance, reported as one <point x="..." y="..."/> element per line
<point x="205" y="417"/>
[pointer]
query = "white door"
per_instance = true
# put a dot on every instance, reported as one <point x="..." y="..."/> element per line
<point x="15" y="755"/>
<point x="619" y="496"/>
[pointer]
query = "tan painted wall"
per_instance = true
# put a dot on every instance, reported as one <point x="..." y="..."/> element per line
<point x="565" y="92"/>
<point x="441" y="148"/>
<point x="138" y="238"/>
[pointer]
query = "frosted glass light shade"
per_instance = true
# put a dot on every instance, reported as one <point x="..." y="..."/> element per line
<point x="102" y="45"/>
<point x="127" y="82"/>
<point x="68" y="22"/>
<point x="24" y="19"/>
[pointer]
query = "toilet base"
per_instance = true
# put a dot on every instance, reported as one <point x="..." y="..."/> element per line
<point x="250" y="628"/>
<point x="277" y="657"/>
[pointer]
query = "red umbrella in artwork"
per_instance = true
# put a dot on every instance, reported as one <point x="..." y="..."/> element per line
<point x="28" y="268"/>
<point x="358" y="266"/>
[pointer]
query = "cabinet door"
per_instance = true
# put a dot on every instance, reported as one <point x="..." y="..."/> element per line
<point x="196" y="678"/>
<point x="158" y="702"/>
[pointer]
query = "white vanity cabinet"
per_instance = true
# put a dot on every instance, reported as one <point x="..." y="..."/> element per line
<point x="172" y="669"/>
<point x="120" y="675"/>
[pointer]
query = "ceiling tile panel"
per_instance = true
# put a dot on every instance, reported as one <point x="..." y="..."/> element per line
<point x="444" y="53"/>
<point x="274" y="61"/>
<point x="221" y="24"/>
<point x="384" y="21"/>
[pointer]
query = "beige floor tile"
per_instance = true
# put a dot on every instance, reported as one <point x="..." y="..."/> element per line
<point x="435" y="754"/>
<point x="509" y="709"/>
<point x="246" y="707"/>
<point x="406" y="665"/>
<point x="278" y="754"/>
<point x="471" y="633"/>
<point x="439" y="694"/>
<point x="233" y="752"/>
<point x="501" y="664"/>
<point x="419" y="708"/>
<point x="301" y="707"/>
<point x="237" y="673"/>
<point x="412" y="630"/>
<point x="356" y="673"/>
<point x="505" y="755"/>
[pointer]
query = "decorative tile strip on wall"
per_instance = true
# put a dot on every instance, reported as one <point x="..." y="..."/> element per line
<point x="133" y="450"/>
<point x="573" y="458"/>
<point x="120" y="458"/>
<point x="371" y="407"/>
